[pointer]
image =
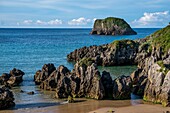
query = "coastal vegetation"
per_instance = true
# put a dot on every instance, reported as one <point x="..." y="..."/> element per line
<point x="112" y="26"/>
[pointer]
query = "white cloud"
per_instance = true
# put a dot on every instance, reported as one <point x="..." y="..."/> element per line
<point x="153" y="19"/>
<point x="40" y="22"/>
<point x="79" y="21"/>
<point x="27" y="22"/>
<point x="55" y="22"/>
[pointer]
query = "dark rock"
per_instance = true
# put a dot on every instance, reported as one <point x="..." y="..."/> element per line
<point x="31" y="93"/>
<point x="90" y="85"/>
<point x="157" y="89"/>
<point x="107" y="83"/>
<point x="43" y="74"/>
<point x="117" y="53"/>
<point x="14" y="78"/>
<point x="139" y="81"/>
<point x="122" y="87"/>
<point x="6" y="98"/>
<point x="112" y="26"/>
<point x="83" y="81"/>
<point x="55" y="78"/>
<point x="22" y="91"/>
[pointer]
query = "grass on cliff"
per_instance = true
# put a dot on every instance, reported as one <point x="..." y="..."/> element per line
<point x="86" y="62"/>
<point x="108" y="22"/>
<point x="123" y="44"/>
<point x="163" y="69"/>
<point x="161" y="38"/>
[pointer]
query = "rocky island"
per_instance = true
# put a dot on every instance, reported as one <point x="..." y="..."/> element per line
<point x="112" y="26"/>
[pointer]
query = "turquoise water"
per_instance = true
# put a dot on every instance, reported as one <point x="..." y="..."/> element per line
<point x="29" y="49"/>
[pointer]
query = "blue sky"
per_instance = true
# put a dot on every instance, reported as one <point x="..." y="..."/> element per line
<point x="82" y="13"/>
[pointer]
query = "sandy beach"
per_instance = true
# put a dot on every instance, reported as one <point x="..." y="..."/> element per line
<point x="95" y="106"/>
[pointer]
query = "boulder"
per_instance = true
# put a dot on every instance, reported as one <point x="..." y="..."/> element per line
<point x="31" y="93"/>
<point x="6" y="98"/>
<point x="107" y="82"/>
<point x="55" y="78"/>
<point x="14" y="78"/>
<point x="90" y="81"/>
<point x="112" y="26"/>
<point x="122" y="87"/>
<point x="139" y="81"/>
<point x="43" y="74"/>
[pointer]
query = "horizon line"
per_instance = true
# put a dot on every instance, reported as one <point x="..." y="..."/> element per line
<point x="63" y="27"/>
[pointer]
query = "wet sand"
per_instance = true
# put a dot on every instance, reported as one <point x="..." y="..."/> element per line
<point x="141" y="108"/>
<point x="93" y="106"/>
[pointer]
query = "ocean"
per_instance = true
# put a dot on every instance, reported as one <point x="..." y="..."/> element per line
<point x="28" y="49"/>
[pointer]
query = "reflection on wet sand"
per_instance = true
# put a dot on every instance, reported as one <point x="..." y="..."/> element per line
<point x="81" y="106"/>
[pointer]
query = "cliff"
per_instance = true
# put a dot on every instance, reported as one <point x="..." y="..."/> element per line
<point x="112" y="26"/>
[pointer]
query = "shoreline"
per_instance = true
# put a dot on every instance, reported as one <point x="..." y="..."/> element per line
<point x="97" y="106"/>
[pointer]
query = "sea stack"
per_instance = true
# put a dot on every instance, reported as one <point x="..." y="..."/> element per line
<point x="112" y="26"/>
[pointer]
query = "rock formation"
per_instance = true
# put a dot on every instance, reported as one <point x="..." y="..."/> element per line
<point x="43" y="74"/>
<point x="120" y="52"/>
<point x="14" y="78"/>
<point x="150" y="80"/>
<point x="112" y="26"/>
<point x="152" y="54"/>
<point x="6" y="98"/>
<point x="122" y="87"/>
<point x="156" y="68"/>
<point x="83" y="81"/>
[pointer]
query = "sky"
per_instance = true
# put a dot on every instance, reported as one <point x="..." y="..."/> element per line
<point x="82" y="13"/>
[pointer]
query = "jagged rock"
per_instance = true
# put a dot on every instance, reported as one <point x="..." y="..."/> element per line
<point x="6" y="98"/>
<point x="43" y="74"/>
<point x="83" y="81"/>
<point x="90" y="85"/>
<point x="139" y="81"/>
<point x="121" y="52"/>
<point x="157" y="89"/>
<point x="55" y="78"/>
<point x="112" y="26"/>
<point x="107" y="82"/>
<point x="14" y="78"/>
<point x="122" y="87"/>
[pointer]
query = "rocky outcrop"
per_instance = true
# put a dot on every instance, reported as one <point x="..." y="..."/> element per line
<point x="150" y="80"/>
<point x="83" y="81"/>
<point x="152" y="77"/>
<point x="112" y="26"/>
<point x="90" y="81"/>
<point x="157" y="89"/>
<point x="139" y="80"/>
<point x="152" y="54"/>
<point x="55" y="78"/>
<point x="121" y="52"/>
<point x="122" y="87"/>
<point x="14" y="78"/>
<point x="43" y="74"/>
<point x="6" y="98"/>
<point x="107" y="84"/>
